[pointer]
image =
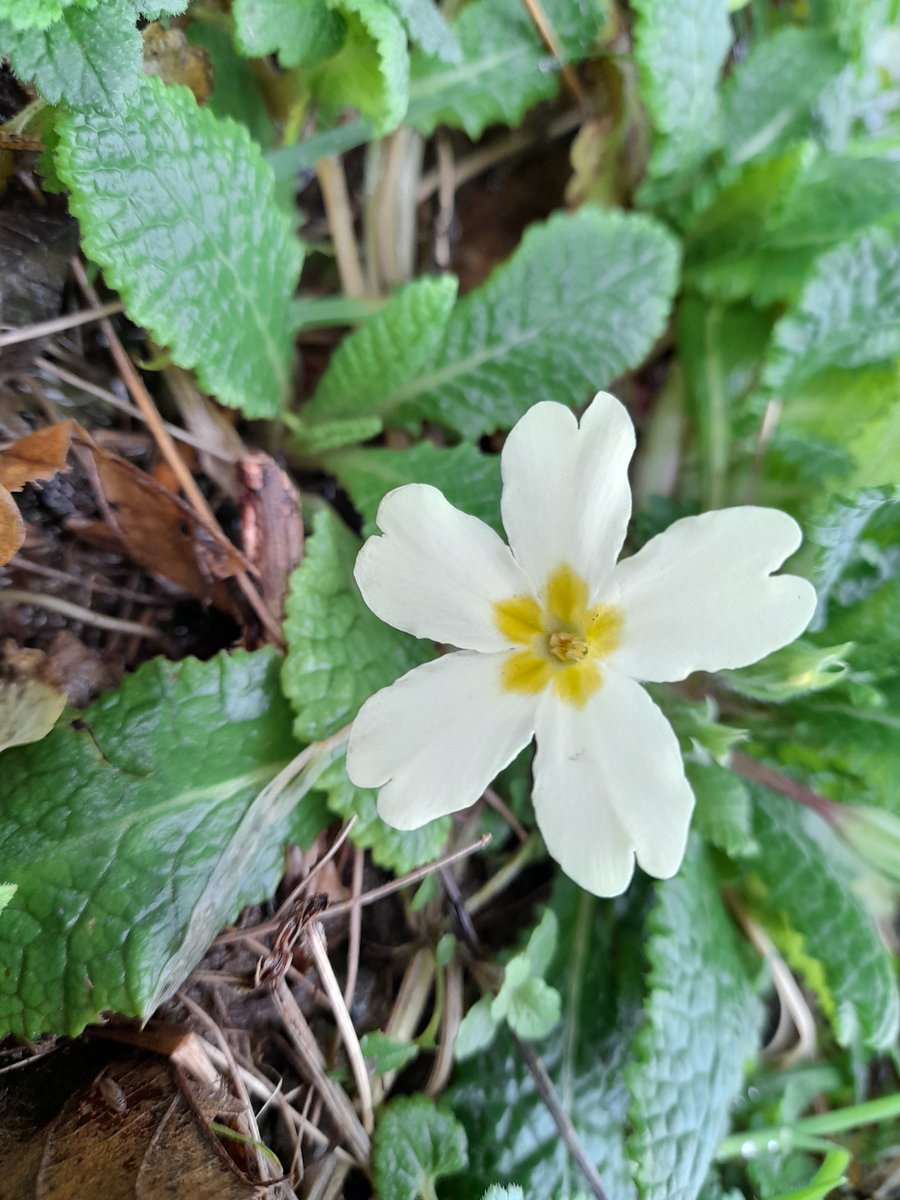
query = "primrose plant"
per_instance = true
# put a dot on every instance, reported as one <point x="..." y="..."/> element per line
<point x="554" y="639"/>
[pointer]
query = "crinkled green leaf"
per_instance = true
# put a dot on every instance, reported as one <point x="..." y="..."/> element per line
<point x="314" y="441"/>
<point x="397" y="850"/>
<point x="392" y="347"/>
<point x="680" y="50"/>
<point x="761" y="235"/>
<point x="770" y="98"/>
<point x="802" y="883"/>
<point x="839" y="533"/>
<point x="468" y="478"/>
<point x="597" y="283"/>
<point x="300" y="32"/>
<point x="724" y="813"/>
<point x="38" y="14"/>
<point x="135" y="832"/>
<point x="428" y="28"/>
<point x="703" y="1019"/>
<point x="416" y="1143"/>
<point x="338" y="653"/>
<point x="178" y="208"/>
<point x="848" y="314"/>
<point x="496" y="1192"/>
<point x="793" y="671"/>
<point x="371" y="70"/>
<point x="86" y="58"/>
<point x="7" y="891"/>
<point x="504" y="66"/>
<point x="599" y="975"/>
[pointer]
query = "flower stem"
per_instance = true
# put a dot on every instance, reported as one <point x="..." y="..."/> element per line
<point x="758" y="1141"/>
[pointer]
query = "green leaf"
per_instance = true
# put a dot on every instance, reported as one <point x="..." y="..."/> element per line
<point x="428" y="28"/>
<point x="724" y="813"/>
<point x="7" y="891"/>
<point x="839" y="534"/>
<point x="137" y="830"/>
<point x="397" y="850"/>
<point x="761" y="235"/>
<point x="154" y="9"/>
<point x="770" y="98"/>
<point x="530" y="1005"/>
<point x="300" y="32"/>
<point x="703" y="1021"/>
<point x="86" y="58"/>
<point x="389" y="1053"/>
<point x="600" y="978"/>
<point x="392" y="347"/>
<point x="599" y="283"/>
<point x="680" y="50"/>
<point x="416" y="1143"/>
<point x="176" y="205"/>
<point x="313" y="441"/>
<point x="339" y="653"/>
<point x="371" y="71"/>
<point x="37" y="14"/>
<point x="476" y="1030"/>
<point x="496" y="1192"/>
<point x="803" y="883"/>
<point x="503" y="70"/>
<point x="793" y="671"/>
<point x="467" y="477"/>
<point x="848" y="314"/>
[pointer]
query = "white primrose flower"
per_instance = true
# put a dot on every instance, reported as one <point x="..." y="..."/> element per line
<point x="553" y="638"/>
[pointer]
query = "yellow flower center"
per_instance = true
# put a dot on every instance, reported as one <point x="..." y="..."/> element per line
<point x="565" y="639"/>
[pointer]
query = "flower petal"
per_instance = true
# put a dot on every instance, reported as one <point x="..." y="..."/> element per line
<point x="435" y="739"/>
<point x="437" y="572"/>
<point x="566" y="497"/>
<point x="700" y="597"/>
<point x="609" y="783"/>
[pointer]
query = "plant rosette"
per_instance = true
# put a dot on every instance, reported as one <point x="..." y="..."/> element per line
<point x="554" y="639"/>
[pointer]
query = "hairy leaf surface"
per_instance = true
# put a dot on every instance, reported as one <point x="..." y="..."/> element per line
<point x="178" y="207"/>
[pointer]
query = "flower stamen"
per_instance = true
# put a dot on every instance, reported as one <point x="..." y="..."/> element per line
<point x="567" y="647"/>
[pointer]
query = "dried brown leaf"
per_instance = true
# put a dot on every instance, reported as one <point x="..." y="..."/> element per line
<point x="161" y="532"/>
<point x="12" y="527"/>
<point x="36" y="457"/>
<point x="271" y="525"/>
<point x="30" y="703"/>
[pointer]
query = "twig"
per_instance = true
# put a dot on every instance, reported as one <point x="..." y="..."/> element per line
<point x="793" y="1006"/>
<point x="386" y="889"/>
<point x="76" y="613"/>
<point x="550" y="40"/>
<point x="304" y="883"/>
<point x="97" y="585"/>
<point x="311" y="1061"/>
<point x="344" y="1023"/>
<point x="355" y="935"/>
<point x="499" y="805"/>
<point x="757" y="772"/>
<point x="333" y="184"/>
<point x="57" y="324"/>
<point x="188" y="484"/>
<point x="247" y="1118"/>
<point x="489" y="156"/>
<point x="546" y="1089"/>
<point x="113" y="401"/>
<point x="567" y="1131"/>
